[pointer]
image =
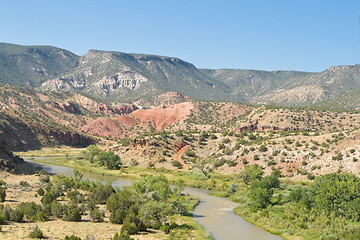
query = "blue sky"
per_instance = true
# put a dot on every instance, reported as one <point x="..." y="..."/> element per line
<point x="304" y="35"/>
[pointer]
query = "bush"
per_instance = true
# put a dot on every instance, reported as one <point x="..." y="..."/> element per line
<point x="16" y="215"/>
<point x="41" y="192"/>
<point x="231" y="163"/>
<point x="2" y="219"/>
<point x="310" y="176"/>
<point x="165" y="229"/>
<point x="45" y="178"/>
<point x="256" y="157"/>
<point x="219" y="162"/>
<point x="72" y="237"/>
<point x="122" y="236"/>
<point x="2" y="194"/>
<point x="96" y="215"/>
<point x="263" y="148"/>
<point x="177" y="164"/>
<point x="57" y="210"/>
<point x="118" y="216"/>
<point x="73" y="214"/>
<point x="24" y="183"/>
<point x="36" y="233"/>
<point x="129" y="228"/>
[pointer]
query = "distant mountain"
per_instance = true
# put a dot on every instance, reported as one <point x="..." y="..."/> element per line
<point x="123" y="77"/>
<point x="31" y="65"/>
<point x="249" y="84"/>
<point x="289" y="88"/>
<point x="128" y="77"/>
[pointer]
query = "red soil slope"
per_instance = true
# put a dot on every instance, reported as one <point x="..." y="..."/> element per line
<point x="103" y="127"/>
<point x="161" y="117"/>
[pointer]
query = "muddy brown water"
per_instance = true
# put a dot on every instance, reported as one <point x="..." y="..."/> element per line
<point x="215" y="214"/>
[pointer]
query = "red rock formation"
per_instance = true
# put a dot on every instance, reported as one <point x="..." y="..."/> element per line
<point x="105" y="127"/>
<point x="179" y="145"/>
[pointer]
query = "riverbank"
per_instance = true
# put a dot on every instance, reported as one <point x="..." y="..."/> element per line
<point x="70" y="157"/>
<point x="24" y="188"/>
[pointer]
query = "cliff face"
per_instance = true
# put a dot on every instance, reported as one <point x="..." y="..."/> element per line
<point x="16" y="135"/>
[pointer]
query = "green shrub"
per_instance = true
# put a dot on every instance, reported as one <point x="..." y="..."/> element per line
<point x="2" y="219"/>
<point x="24" y="183"/>
<point x="177" y="164"/>
<point x="36" y="233"/>
<point x="231" y="163"/>
<point x="122" y="236"/>
<point x="2" y="194"/>
<point x="40" y="191"/>
<point x="263" y="148"/>
<point x="129" y="228"/>
<point x="45" y="178"/>
<point x="57" y="210"/>
<point x="16" y="215"/>
<point x="96" y="215"/>
<point x="72" y="237"/>
<point x="73" y="213"/>
<point x="166" y="229"/>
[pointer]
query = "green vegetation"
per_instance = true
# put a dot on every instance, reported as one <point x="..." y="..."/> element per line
<point x="36" y="233"/>
<point x="326" y="209"/>
<point x="2" y="194"/>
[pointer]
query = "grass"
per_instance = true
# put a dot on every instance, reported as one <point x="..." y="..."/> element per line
<point x="217" y="182"/>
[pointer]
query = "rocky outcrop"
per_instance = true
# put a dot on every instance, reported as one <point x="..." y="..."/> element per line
<point x="179" y="145"/>
<point x="16" y="135"/>
<point x="256" y="127"/>
<point x="68" y="107"/>
<point x="125" y="79"/>
<point x="140" y="142"/>
<point x="166" y="99"/>
<point x="61" y="137"/>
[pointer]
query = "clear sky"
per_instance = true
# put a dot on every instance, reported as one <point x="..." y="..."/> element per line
<point x="305" y="35"/>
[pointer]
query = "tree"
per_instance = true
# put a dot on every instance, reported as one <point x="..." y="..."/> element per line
<point x="262" y="190"/>
<point x="156" y="187"/>
<point x="77" y="176"/>
<point x="155" y="213"/>
<point x="338" y="194"/>
<point x="91" y="152"/>
<point x="251" y="173"/>
<point x="179" y="187"/>
<point x="204" y="166"/>
<point x="109" y="159"/>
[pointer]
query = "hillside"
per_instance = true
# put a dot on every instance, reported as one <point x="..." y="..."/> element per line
<point x="31" y="65"/>
<point x="345" y="101"/>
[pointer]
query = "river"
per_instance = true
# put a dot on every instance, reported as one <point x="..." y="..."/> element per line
<point x="215" y="214"/>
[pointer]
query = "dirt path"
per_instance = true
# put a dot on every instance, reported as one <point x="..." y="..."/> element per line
<point x="178" y="155"/>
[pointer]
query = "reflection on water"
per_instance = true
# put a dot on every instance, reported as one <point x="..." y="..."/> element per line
<point x="213" y="213"/>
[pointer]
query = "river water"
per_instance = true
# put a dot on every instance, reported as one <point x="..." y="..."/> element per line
<point x="213" y="213"/>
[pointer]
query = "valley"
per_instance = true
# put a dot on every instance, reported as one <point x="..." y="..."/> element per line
<point x="269" y="141"/>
